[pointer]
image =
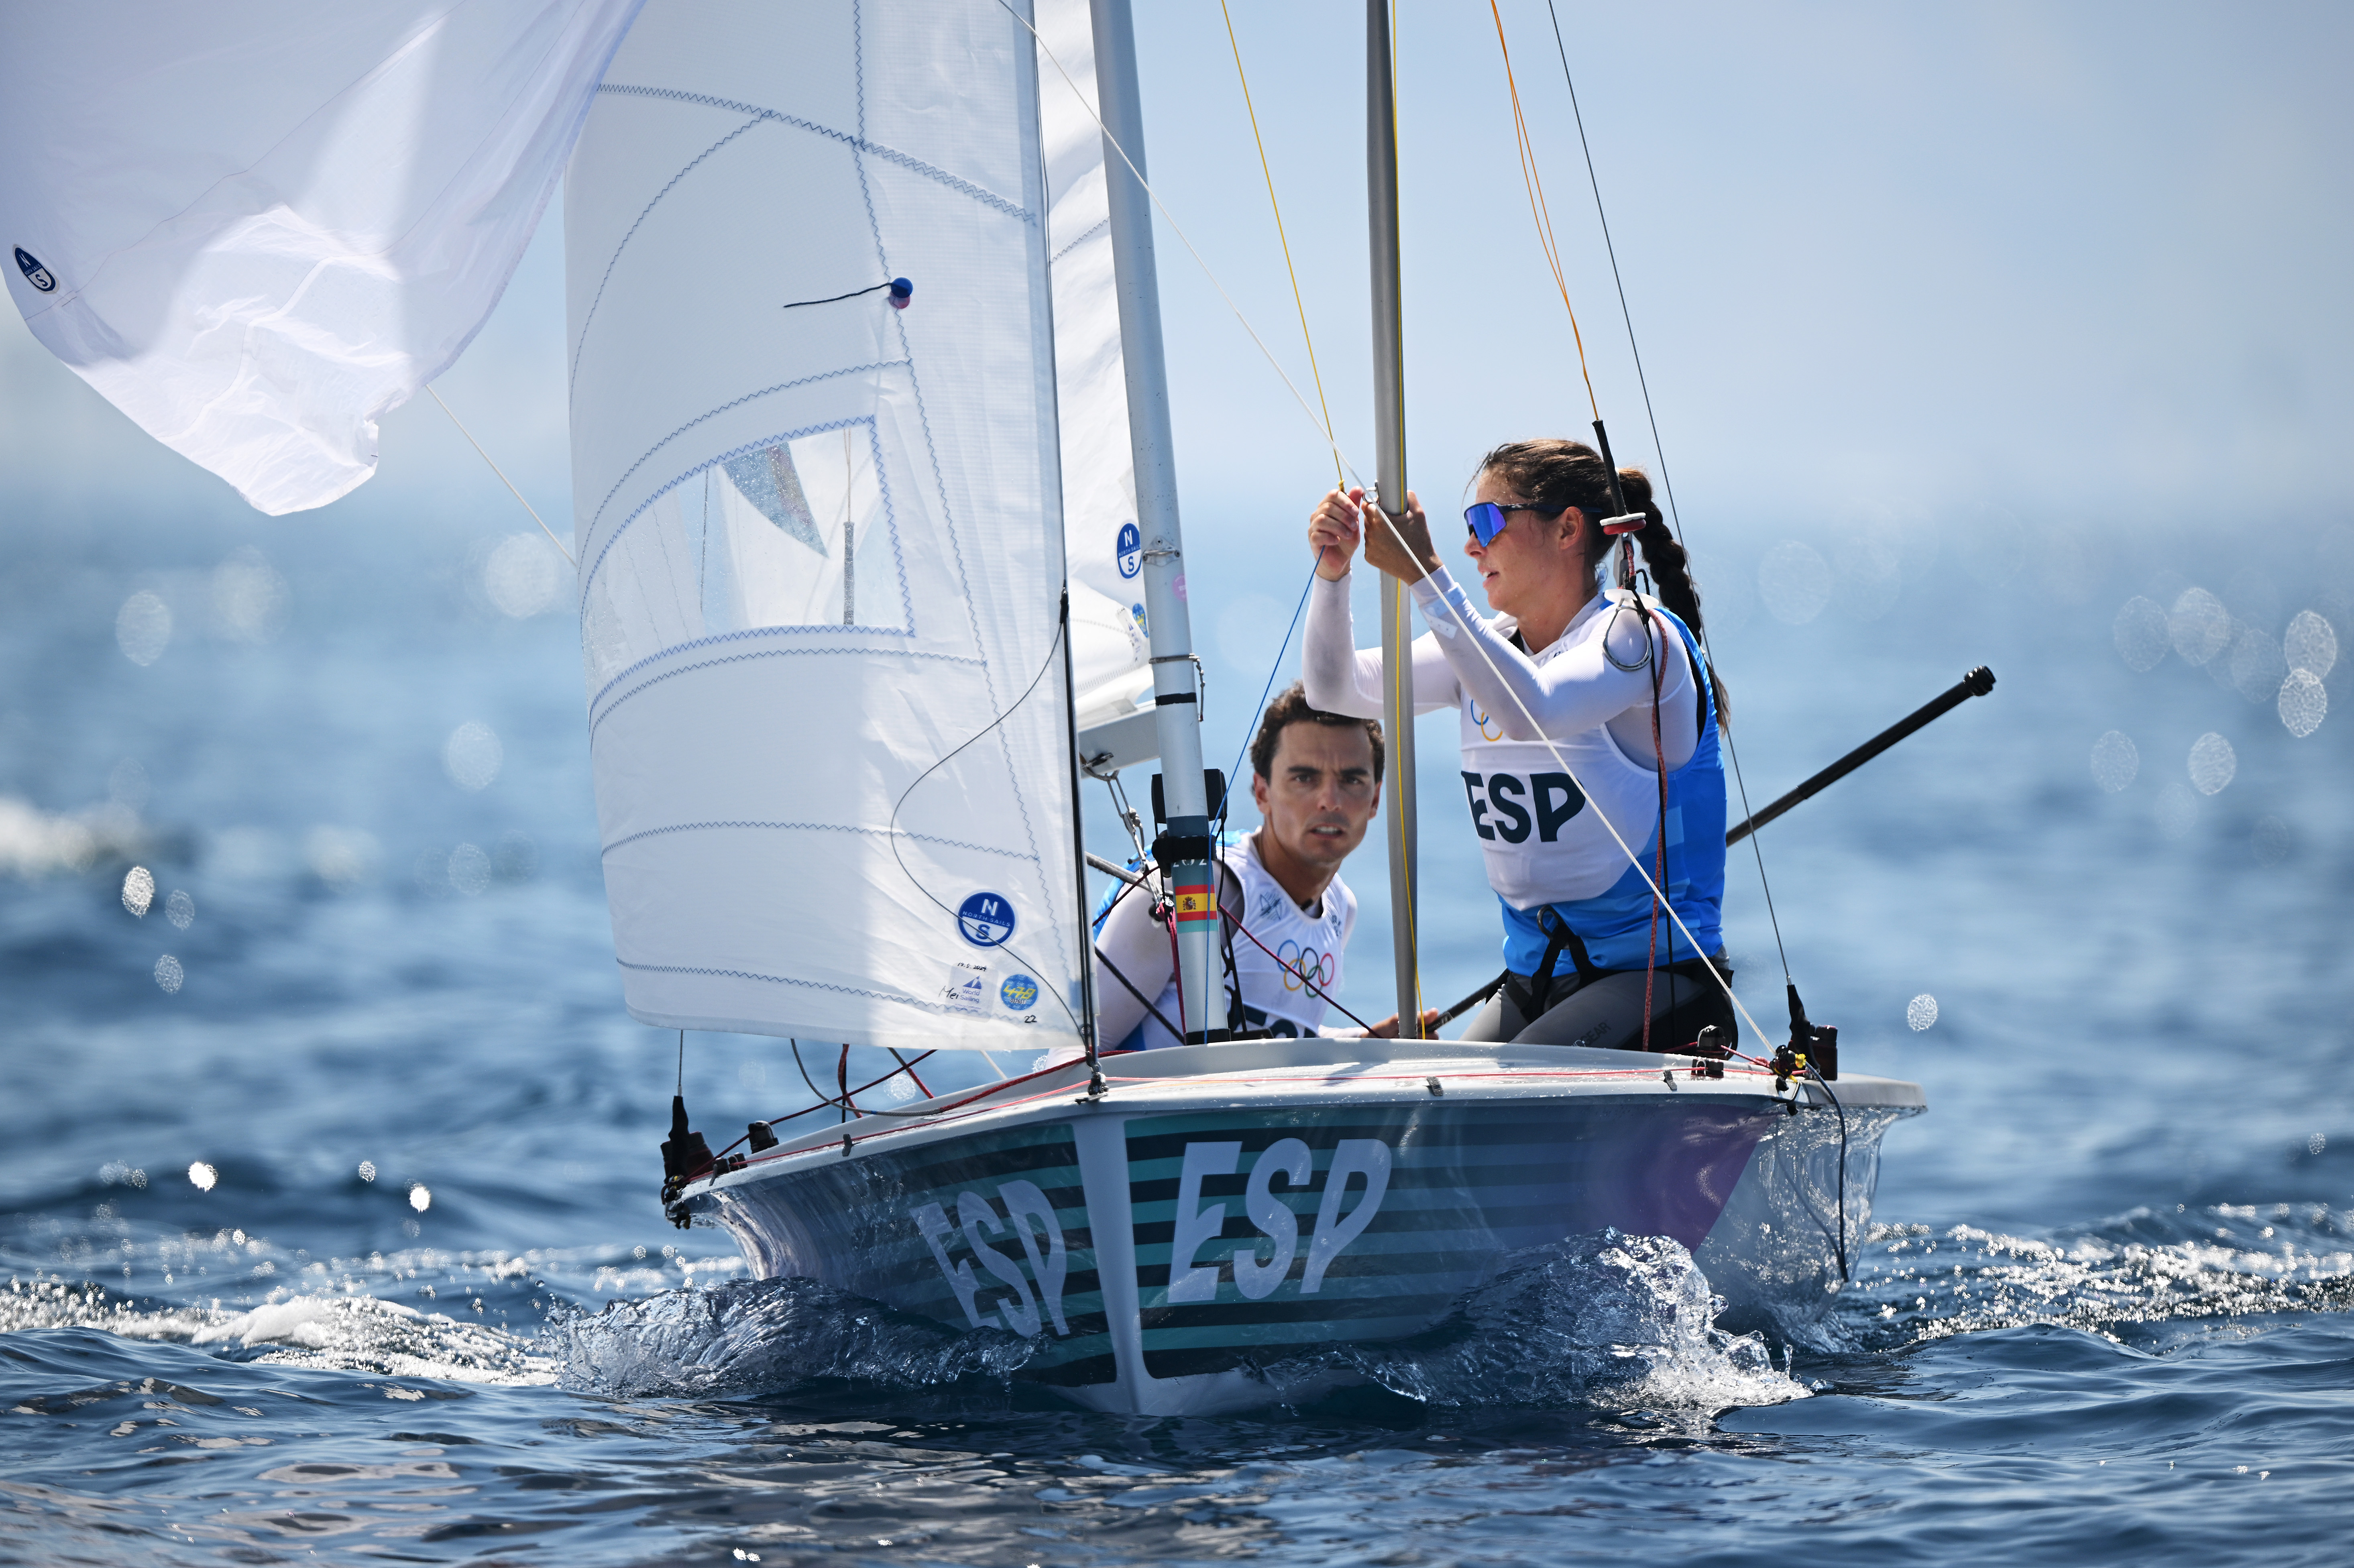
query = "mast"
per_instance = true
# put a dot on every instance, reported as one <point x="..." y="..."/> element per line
<point x="1389" y="490"/>
<point x="1184" y="850"/>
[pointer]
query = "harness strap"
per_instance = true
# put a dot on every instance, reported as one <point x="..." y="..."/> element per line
<point x="1529" y="998"/>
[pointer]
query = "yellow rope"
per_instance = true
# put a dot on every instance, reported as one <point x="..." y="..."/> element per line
<point x="1284" y="239"/>
<point x="1543" y="215"/>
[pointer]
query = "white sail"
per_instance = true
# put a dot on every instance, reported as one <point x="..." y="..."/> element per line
<point x="1103" y="544"/>
<point x="821" y="537"/>
<point x="258" y="226"/>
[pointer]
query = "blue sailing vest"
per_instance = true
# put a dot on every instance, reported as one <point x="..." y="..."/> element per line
<point x="1545" y="844"/>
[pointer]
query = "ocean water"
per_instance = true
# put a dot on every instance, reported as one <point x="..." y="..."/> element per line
<point x="328" y="1156"/>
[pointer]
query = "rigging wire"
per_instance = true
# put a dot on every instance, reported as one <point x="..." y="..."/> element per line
<point x="503" y="479"/>
<point x="1282" y="239"/>
<point x="1342" y="456"/>
<point x="1174" y="228"/>
<point x="1658" y="448"/>
<point x="1533" y="182"/>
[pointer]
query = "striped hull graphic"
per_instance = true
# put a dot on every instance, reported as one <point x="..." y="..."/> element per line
<point x="1158" y="1248"/>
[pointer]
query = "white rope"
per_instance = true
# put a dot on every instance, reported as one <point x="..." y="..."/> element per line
<point x="505" y="480"/>
<point x="1632" y="858"/>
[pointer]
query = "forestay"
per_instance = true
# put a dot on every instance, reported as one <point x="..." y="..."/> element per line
<point x="256" y="225"/>
<point x="821" y="550"/>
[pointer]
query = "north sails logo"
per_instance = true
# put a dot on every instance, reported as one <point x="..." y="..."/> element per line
<point x="40" y="277"/>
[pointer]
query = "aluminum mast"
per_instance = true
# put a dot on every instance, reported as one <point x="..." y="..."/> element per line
<point x="1389" y="490"/>
<point x="1185" y="851"/>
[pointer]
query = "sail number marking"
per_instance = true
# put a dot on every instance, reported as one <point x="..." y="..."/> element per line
<point x="1040" y="1234"/>
<point x="1198" y="1223"/>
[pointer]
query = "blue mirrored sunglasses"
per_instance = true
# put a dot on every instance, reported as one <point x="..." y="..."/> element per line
<point x="1486" y="519"/>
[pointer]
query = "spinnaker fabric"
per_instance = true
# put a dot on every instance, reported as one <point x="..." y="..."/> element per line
<point x="258" y="226"/>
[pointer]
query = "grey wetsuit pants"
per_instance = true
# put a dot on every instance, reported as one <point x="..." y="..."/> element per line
<point x="1606" y="1010"/>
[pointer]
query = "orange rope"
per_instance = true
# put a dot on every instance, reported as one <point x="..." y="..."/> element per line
<point x="1285" y="240"/>
<point x="1543" y="215"/>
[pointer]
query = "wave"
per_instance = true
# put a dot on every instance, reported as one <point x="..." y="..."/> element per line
<point x="769" y="1335"/>
<point x="2125" y="1276"/>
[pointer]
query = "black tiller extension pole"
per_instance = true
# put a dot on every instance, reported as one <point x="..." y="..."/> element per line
<point x="1976" y="683"/>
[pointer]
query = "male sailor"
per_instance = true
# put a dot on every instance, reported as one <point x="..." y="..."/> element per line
<point x="1316" y="779"/>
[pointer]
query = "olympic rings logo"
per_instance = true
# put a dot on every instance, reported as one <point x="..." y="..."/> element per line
<point x="1488" y="728"/>
<point x="1304" y="966"/>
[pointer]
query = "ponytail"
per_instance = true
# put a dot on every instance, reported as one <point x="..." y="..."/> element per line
<point x="1559" y="473"/>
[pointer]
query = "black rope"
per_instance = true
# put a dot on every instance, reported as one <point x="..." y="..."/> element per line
<point x="1052" y="653"/>
<point x="1667" y="484"/>
<point x="1817" y="1074"/>
<point x="1162" y="1018"/>
<point x="836" y="298"/>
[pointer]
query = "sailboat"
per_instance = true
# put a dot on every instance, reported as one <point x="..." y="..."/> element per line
<point x="878" y="555"/>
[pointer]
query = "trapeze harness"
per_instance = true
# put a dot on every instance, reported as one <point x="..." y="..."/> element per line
<point x="1565" y="885"/>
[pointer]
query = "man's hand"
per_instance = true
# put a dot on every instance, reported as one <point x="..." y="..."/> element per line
<point x="1387" y="1028"/>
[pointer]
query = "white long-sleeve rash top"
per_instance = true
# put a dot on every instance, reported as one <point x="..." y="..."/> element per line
<point x="1568" y="687"/>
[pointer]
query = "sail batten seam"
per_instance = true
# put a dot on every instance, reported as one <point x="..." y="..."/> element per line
<point x="956" y="182"/>
<point x="818" y="828"/>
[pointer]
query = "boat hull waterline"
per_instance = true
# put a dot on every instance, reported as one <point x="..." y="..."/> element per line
<point x="1224" y="1208"/>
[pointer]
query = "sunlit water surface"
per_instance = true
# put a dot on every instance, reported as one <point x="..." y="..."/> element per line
<point x="328" y="1155"/>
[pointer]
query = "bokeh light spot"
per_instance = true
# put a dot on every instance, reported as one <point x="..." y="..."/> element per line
<point x="472" y="755"/>
<point x="2311" y="644"/>
<point x="2140" y="634"/>
<point x="2116" y="762"/>
<point x="170" y="975"/>
<point x="143" y="628"/>
<point x="2213" y="763"/>
<point x="202" y="1176"/>
<point x="138" y="891"/>
<point x="470" y="869"/>
<point x="1921" y="1011"/>
<point x="2304" y="703"/>
<point x="523" y="576"/>
<point x="2199" y="627"/>
<point x="180" y="909"/>
<point x="420" y="1197"/>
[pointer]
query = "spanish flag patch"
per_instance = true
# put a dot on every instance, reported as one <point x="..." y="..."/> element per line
<point x="1193" y="903"/>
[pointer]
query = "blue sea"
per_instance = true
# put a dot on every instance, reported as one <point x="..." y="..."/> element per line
<point x="328" y="1155"/>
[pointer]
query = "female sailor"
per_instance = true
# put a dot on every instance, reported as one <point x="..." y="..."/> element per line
<point x="1582" y="709"/>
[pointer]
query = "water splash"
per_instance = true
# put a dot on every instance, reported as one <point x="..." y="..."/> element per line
<point x="355" y="1333"/>
<point x="757" y="1336"/>
<point x="1607" y="1321"/>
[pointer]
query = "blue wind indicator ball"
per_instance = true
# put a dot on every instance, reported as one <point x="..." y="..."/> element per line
<point x="902" y="291"/>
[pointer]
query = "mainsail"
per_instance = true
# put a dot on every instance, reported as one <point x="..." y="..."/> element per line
<point x="256" y="227"/>
<point x="820" y="525"/>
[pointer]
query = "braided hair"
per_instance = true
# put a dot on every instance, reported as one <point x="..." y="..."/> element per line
<point x="1556" y="473"/>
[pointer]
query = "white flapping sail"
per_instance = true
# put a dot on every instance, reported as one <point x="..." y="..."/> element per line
<point x="1104" y="544"/>
<point x="820" y="525"/>
<point x="258" y="226"/>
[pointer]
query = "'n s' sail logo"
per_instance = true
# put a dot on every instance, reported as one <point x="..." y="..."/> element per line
<point x="40" y="277"/>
